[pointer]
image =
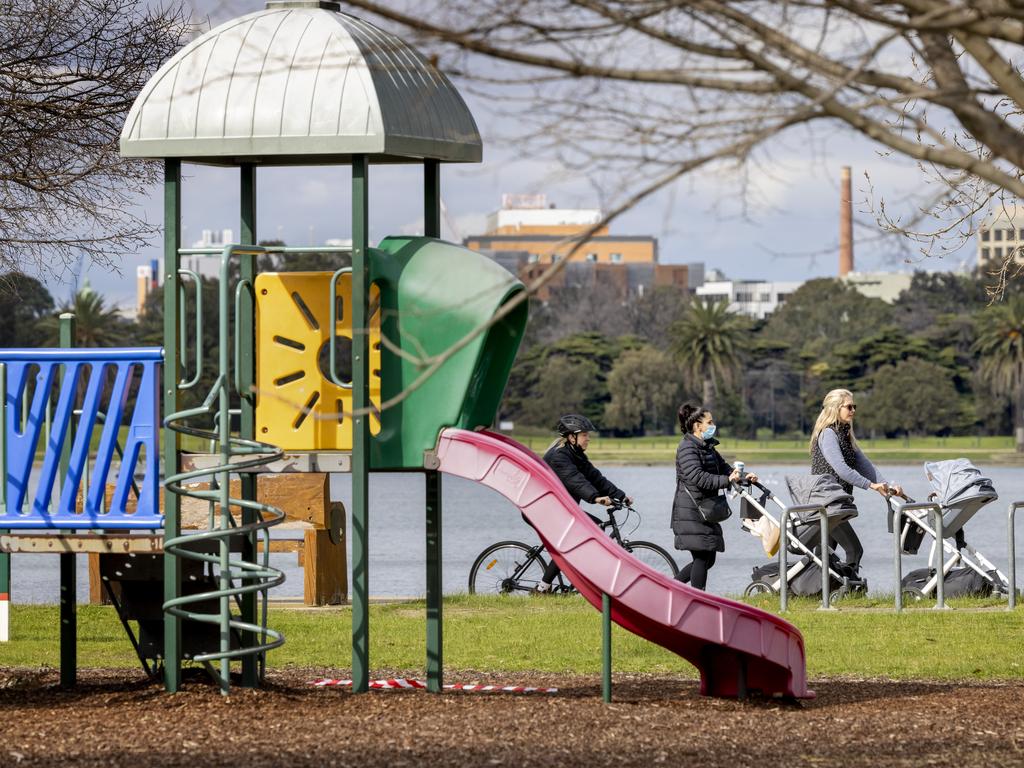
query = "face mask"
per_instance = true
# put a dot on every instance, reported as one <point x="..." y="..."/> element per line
<point x="708" y="433"/>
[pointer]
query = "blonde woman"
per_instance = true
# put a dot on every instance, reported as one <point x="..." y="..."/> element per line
<point x="834" y="451"/>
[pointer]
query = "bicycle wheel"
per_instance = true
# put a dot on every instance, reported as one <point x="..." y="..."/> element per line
<point x="654" y="556"/>
<point x="507" y="568"/>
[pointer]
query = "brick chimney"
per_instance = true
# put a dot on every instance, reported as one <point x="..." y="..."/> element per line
<point x="845" y="223"/>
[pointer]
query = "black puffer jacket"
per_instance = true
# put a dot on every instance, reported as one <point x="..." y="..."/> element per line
<point x="581" y="478"/>
<point x="704" y="472"/>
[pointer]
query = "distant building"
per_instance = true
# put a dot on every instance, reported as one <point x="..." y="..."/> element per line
<point x="1001" y="235"/>
<point x="209" y="265"/>
<point x="624" y="281"/>
<point x="526" y="237"/>
<point x="886" y="286"/>
<point x="753" y="298"/>
<point x="527" y="230"/>
<point x="212" y="238"/>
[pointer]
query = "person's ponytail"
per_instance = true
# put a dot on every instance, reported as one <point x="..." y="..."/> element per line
<point x="690" y="415"/>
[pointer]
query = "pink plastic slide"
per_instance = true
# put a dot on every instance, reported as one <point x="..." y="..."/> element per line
<point x="737" y="648"/>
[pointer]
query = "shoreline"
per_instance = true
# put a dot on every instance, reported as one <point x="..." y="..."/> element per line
<point x="660" y="450"/>
<point x="753" y="458"/>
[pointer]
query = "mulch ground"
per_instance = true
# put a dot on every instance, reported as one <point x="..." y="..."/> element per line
<point x="116" y="719"/>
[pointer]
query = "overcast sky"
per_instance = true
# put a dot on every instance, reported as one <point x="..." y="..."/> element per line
<point x="786" y="230"/>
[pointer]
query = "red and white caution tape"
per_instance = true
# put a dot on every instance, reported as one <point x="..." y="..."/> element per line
<point x="509" y="688"/>
<point x="405" y="682"/>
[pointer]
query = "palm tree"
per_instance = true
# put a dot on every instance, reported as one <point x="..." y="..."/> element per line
<point x="707" y="339"/>
<point x="96" y="324"/>
<point x="1000" y="345"/>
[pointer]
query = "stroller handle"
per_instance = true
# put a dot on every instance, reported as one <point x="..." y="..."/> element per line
<point x="755" y="484"/>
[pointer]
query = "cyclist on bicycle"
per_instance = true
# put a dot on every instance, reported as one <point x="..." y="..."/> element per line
<point x="567" y="457"/>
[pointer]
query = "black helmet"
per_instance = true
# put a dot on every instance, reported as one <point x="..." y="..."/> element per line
<point x="573" y="423"/>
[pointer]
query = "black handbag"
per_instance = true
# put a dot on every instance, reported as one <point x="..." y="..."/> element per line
<point x="713" y="510"/>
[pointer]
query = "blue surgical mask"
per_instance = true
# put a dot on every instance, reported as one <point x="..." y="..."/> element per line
<point x="708" y="433"/>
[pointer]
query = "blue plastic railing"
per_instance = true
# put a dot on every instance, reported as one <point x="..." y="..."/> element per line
<point x="83" y="369"/>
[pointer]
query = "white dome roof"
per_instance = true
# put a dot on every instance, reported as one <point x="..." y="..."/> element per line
<point x="297" y="81"/>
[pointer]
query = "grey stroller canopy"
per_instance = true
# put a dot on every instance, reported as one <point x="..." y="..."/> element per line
<point x="954" y="480"/>
<point x="960" y="489"/>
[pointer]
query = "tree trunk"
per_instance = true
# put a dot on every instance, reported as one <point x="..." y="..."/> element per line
<point x="709" y="393"/>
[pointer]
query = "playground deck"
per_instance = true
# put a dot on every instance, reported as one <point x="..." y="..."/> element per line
<point x="653" y="720"/>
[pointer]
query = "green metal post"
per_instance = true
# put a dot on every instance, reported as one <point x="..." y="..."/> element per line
<point x="606" y="648"/>
<point x="172" y="363"/>
<point x="360" y="427"/>
<point x="432" y="198"/>
<point x="224" y="477"/>
<point x="246" y="330"/>
<point x="5" y="557"/>
<point x="68" y="570"/>
<point x="435" y="598"/>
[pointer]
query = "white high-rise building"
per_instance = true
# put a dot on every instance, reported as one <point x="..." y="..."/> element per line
<point x="213" y="237"/>
<point x="1001" y="235"/>
<point x="753" y="298"/>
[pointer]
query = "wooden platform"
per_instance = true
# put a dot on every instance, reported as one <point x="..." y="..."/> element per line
<point x="97" y="543"/>
<point x="293" y="461"/>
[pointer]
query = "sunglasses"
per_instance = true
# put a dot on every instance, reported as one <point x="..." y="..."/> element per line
<point x="850" y="407"/>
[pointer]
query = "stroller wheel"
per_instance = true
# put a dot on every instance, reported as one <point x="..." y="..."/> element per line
<point x="837" y="594"/>
<point x="758" y="588"/>
<point x="913" y="594"/>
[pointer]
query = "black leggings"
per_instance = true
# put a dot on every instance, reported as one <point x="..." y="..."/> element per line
<point x="844" y="535"/>
<point x="696" y="573"/>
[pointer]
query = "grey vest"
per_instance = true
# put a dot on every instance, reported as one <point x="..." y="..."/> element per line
<point x="819" y="466"/>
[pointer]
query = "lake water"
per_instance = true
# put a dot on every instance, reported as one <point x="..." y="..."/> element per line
<point x="475" y="516"/>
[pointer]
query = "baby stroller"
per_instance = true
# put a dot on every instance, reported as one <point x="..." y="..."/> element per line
<point x="961" y="491"/>
<point x="804" y="537"/>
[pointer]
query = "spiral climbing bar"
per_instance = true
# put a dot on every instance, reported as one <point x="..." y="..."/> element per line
<point x="234" y="576"/>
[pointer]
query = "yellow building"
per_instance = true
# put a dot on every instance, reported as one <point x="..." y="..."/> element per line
<point x="528" y="230"/>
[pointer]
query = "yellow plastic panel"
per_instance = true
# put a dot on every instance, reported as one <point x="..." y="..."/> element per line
<point x="298" y="407"/>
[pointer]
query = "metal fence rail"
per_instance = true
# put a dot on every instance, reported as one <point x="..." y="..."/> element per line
<point x="901" y="510"/>
<point x="784" y="553"/>
<point x="1012" y="553"/>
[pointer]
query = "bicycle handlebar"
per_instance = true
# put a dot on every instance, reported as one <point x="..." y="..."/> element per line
<point x="618" y="504"/>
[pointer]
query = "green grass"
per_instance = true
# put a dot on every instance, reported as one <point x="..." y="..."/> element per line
<point x="980" y="640"/>
<point x="658" y="450"/>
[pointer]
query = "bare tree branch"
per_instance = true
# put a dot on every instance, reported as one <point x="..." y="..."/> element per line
<point x="632" y="89"/>
<point x="68" y="76"/>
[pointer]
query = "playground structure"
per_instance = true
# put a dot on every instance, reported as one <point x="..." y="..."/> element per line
<point x="390" y="363"/>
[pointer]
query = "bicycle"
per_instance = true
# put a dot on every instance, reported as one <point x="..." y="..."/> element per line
<point x="515" y="568"/>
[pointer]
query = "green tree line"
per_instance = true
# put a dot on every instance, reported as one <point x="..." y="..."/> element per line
<point x="940" y="360"/>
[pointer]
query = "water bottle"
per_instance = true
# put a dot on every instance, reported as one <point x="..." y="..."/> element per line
<point x="740" y="467"/>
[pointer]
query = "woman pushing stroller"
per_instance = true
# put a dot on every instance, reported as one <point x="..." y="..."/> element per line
<point x="834" y="451"/>
<point x="701" y="477"/>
